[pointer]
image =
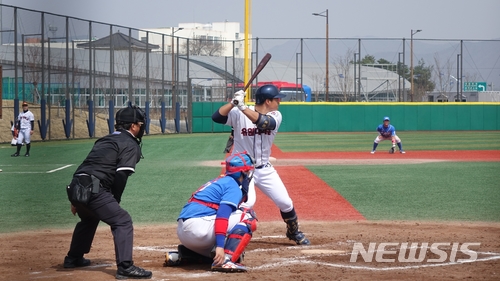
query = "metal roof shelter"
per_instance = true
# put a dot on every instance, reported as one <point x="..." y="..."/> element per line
<point x="120" y="41"/>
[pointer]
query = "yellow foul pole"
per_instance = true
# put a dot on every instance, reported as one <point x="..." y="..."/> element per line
<point x="246" y="64"/>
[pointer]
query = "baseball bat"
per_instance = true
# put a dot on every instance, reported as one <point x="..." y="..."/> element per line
<point x="259" y="68"/>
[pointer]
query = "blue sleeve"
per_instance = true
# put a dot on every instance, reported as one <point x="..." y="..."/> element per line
<point x="379" y="129"/>
<point x="224" y="211"/>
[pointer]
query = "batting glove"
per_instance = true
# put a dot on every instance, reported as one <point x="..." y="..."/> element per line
<point x="240" y="93"/>
<point x="240" y="102"/>
<point x="242" y="106"/>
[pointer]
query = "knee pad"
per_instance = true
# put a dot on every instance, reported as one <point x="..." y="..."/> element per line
<point x="249" y="218"/>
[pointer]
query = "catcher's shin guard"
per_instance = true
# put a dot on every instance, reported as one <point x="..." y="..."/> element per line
<point x="236" y="242"/>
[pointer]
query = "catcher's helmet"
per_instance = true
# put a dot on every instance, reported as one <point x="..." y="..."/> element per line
<point x="131" y="114"/>
<point x="238" y="163"/>
<point x="267" y="92"/>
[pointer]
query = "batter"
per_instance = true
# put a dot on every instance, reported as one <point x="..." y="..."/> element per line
<point x="254" y="132"/>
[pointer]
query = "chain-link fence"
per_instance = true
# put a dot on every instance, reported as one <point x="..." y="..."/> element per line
<point x="82" y="71"/>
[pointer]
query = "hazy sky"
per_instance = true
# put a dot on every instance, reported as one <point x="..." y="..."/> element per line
<point x="439" y="19"/>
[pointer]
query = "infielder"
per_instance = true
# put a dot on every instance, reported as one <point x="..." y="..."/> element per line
<point x="212" y="219"/>
<point x="254" y="131"/>
<point x="25" y="124"/>
<point x="387" y="132"/>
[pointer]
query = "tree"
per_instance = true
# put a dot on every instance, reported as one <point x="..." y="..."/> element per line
<point x="383" y="61"/>
<point x="201" y="46"/>
<point x="443" y="73"/>
<point x="343" y="79"/>
<point x="422" y="80"/>
<point x="380" y="63"/>
<point x="368" y="59"/>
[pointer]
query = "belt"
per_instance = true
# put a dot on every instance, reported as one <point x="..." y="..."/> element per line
<point x="264" y="166"/>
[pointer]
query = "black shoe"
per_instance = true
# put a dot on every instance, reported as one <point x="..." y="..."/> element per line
<point x="15" y="154"/>
<point x="27" y="154"/>
<point x="71" y="262"/>
<point x="298" y="238"/>
<point x="133" y="272"/>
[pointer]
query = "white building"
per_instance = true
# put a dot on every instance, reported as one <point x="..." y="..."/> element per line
<point x="223" y="33"/>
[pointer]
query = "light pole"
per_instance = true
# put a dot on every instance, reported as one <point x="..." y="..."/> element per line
<point x="411" y="61"/>
<point x="325" y="15"/>
<point x="173" y="67"/>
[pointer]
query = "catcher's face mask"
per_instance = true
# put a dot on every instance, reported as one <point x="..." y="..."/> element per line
<point x="247" y="178"/>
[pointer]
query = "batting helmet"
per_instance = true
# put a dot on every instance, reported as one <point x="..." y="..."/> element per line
<point x="238" y="163"/>
<point x="131" y="114"/>
<point x="267" y="92"/>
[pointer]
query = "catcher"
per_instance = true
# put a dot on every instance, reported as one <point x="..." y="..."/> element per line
<point x="211" y="226"/>
<point x="387" y="132"/>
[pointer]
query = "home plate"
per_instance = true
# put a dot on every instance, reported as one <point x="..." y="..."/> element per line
<point x="322" y="251"/>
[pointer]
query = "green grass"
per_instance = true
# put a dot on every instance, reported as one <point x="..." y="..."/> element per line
<point x="465" y="191"/>
<point x="172" y="170"/>
<point x="412" y="140"/>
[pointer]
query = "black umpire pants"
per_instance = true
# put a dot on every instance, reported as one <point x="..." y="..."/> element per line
<point x="103" y="207"/>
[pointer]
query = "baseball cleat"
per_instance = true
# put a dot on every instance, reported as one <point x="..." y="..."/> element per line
<point x="71" y="262"/>
<point x="229" y="266"/>
<point x="15" y="154"/>
<point x="298" y="238"/>
<point x="27" y="155"/>
<point x="372" y="152"/>
<point x="133" y="272"/>
<point x="402" y="152"/>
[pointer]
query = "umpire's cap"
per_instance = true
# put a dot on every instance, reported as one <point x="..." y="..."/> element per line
<point x="267" y="92"/>
<point x="131" y="114"/>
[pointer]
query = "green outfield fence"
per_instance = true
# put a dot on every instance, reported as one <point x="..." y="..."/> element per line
<point x="362" y="117"/>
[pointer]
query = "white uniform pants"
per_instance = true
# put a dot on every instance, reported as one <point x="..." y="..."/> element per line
<point x="24" y="135"/>
<point x="198" y="234"/>
<point x="380" y="138"/>
<point x="270" y="183"/>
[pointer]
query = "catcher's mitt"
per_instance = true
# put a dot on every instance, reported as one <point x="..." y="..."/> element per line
<point x="391" y="151"/>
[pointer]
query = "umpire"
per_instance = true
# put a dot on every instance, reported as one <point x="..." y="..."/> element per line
<point x="96" y="190"/>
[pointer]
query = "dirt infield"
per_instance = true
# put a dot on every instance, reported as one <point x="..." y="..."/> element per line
<point x="269" y="256"/>
<point x="335" y="230"/>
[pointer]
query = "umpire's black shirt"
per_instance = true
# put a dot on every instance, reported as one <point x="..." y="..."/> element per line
<point x="119" y="151"/>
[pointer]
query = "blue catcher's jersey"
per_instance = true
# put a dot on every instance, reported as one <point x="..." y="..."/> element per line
<point x="386" y="132"/>
<point x="224" y="190"/>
